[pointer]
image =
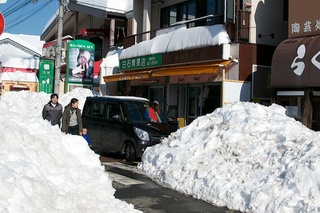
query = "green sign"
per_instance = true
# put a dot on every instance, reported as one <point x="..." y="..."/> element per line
<point x="80" y="62"/>
<point x="141" y="62"/>
<point x="46" y="76"/>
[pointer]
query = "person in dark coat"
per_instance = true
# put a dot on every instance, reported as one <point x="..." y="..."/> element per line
<point x="71" y="118"/>
<point x="52" y="111"/>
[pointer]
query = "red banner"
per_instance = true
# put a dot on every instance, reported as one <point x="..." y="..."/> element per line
<point x="13" y="69"/>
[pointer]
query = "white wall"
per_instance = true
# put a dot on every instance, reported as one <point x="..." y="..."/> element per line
<point x="235" y="91"/>
<point x="137" y="16"/>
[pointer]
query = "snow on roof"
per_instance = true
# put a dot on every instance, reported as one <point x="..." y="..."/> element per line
<point x="15" y="61"/>
<point x="179" y="39"/>
<point x="134" y="98"/>
<point x="18" y="76"/>
<point x="119" y="6"/>
<point x="29" y="41"/>
<point x="112" y="58"/>
<point x="20" y="50"/>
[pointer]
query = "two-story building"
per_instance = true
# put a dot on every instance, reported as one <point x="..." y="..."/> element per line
<point x="197" y="55"/>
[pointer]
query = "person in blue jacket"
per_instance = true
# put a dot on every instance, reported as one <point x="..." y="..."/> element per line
<point x="86" y="136"/>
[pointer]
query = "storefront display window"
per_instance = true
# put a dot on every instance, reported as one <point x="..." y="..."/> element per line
<point x="293" y="106"/>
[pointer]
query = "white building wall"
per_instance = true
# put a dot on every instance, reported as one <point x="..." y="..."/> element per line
<point x="137" y="18"/>
<point x="235" y="91"/>
<point x="146" y="18"/>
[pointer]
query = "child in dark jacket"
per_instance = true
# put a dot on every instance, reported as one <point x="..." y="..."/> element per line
<point x="86" y="136"/>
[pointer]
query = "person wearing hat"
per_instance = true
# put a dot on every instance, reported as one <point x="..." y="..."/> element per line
<point x="52" y="111"/>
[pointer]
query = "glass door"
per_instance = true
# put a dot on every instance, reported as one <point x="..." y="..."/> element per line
<point x="193" y="103"/>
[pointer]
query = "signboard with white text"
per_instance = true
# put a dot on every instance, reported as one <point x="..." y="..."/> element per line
<point x="80" y="62"/>
<point x="46" y="76"/>
<point x="296" y="63"/>
<point x="304" y="18"/>
<point x="141" y="62"/>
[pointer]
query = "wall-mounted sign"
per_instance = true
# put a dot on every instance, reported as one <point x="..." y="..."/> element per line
<point x="80" y="62"/>
<point x="141" y="62"/>
<point x="296" y="63"/>
<point x="304" y="18"/>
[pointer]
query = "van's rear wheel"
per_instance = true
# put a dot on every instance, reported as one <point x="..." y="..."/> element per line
<point x="130" y="152"/>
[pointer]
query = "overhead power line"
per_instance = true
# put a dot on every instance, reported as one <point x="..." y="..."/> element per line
<point x="15" y="8"/>
<point x="24" y="17"/>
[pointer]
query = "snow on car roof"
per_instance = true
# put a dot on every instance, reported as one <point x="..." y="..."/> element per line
<point x="124" y="97"/>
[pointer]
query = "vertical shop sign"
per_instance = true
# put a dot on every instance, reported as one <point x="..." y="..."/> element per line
<point x="46" y="76"/>
<point x="80" y="64"/>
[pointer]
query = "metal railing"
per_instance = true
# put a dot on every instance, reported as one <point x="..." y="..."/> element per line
<point x="236" y="31"/>
<point x="202" y="21"/>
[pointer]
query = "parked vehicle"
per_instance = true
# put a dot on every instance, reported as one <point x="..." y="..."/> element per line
<point x="119" y="124"/>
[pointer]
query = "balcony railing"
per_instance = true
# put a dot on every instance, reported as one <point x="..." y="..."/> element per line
<point x="202" y="21"/>
<point x="243" y="31"/>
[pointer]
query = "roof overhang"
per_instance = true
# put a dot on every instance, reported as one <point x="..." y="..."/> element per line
<point x="16" y="49"/>
<point x="88" y="9"/>
<point x="52" y="28"/>
<point x="127" y="76"/>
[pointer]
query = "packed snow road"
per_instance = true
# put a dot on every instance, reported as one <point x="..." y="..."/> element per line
<point x="147" y="196"/>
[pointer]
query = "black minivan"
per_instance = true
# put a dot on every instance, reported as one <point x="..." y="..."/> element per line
<point x="119" y="124"/>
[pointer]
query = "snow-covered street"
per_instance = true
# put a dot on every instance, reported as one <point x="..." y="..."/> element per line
<point x="245" y="156"/>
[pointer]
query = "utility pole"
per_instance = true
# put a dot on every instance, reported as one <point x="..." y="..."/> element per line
<point x="58" y="49"/>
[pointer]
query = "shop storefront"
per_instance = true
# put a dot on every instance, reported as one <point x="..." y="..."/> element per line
<point x="186" y="91"/>
<point x="295" y="72"/>
<point x="295" y="79"/>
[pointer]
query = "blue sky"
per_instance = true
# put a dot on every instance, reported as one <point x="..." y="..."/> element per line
<point x="29" y="19"/>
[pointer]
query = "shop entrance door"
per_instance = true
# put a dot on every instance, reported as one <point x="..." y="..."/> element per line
<point x="202" y="99"/>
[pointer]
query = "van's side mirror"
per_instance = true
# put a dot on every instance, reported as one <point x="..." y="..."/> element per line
<point x="170" y="119"/>
<point x="172" y="122"/>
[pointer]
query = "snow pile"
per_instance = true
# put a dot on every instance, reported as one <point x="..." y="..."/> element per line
<point x="245" y="156"/>
<point x="44" y="170"/>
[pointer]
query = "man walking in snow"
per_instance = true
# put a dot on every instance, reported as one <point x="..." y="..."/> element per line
<point x="52" y="111"/>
